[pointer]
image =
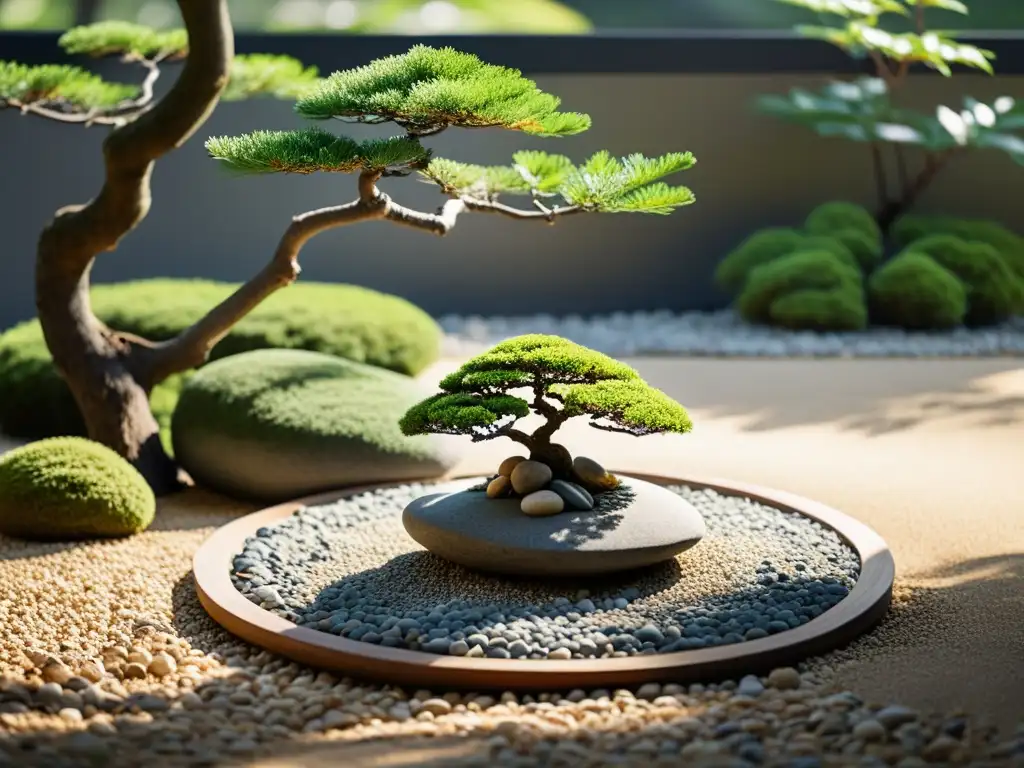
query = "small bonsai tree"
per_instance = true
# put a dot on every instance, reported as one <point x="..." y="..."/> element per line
<point x="863" y="110"/>
<point x="561" y="380"/>
<point x="111" y="374"/>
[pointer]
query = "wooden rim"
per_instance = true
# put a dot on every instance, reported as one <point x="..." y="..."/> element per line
<point x="860" y="610"/>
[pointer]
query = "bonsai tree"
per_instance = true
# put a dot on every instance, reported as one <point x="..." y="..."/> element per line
<point x="864" y="110"/>
<point x="560" y="380"/>
<point x="110" y="374"/>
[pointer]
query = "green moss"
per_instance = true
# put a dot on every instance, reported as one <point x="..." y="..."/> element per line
<point x="836" y="247"/>
<point x="803" y="271"/>
<point x="342" y="320"/>
<point x="760" y="248"/>
<point x="837" y="309"/>
<point x="1009" y="244"/>
<point x="994" y="292"/>
<point x="851" y="224"/>
<point x="289" y="397"/>
<point x="915" y="292"/>
<point x="69" y="488"/>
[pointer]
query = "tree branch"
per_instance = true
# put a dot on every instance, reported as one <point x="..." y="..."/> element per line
<point x="191" y="348"/>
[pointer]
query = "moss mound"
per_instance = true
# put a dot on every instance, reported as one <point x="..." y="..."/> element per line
<point x="71" y="488"/>
<point x="343" y="320"/>
<point x="915" y="292"/>
<point x="851" y="224"/>
<point x="1007" y="243"/>
<point x="760" y="248"/>
<point x="994" y="292"/>
<point x="803" y="277"/>
<point x="278" y="424"/>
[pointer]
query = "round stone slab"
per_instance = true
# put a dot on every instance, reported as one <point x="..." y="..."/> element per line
<point x="646" y="524"/>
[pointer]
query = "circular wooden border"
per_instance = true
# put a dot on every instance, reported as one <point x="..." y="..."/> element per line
<point x="861" y="609"/>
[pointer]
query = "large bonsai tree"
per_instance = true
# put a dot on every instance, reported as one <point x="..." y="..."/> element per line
<point x="560" y="380"/>
<point x="866" y="110"/>
<point x="110" y="374"/>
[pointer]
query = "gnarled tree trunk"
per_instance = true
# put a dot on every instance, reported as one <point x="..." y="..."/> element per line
<point x="99" y="365"/>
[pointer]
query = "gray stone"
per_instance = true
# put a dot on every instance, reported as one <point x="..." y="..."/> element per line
<point x="750" y="686"/>
<point x="575" y="496"/>
<point x="466" y="527"/>
<point x="277" y="424"/>
<point x="894" y="716"/>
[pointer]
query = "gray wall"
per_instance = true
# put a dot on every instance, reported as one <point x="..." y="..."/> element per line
<point x="752" y="171"/>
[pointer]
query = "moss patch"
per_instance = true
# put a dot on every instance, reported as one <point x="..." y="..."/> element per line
<point x="71" y="488"/>
<point x="915" y="292"/>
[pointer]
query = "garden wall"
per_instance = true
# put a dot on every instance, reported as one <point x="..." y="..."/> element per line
<point x="752" y="171"/>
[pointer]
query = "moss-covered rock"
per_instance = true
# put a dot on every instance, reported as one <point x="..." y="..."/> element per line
<point x="342" y="320"/>
<point x="815" y="271"/>
<point x="278" y="424"/>
<point x="915" y="292"/>
<point x="759" y="248"/>
<point x="994" y="291"/>
<point x="71" y="488"/>
<point x="1007" y="243"/>
<point x="851" y="224"/>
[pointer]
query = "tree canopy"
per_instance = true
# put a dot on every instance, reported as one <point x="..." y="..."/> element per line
<point x="56" y="90"/>
<point x="565" y="379"/>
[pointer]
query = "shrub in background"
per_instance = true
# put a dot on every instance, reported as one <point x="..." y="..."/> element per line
<point x="350" y="322"/>
<point x="993" y="290"/>
<point x="71" y="488"/>
<point x="796" y="282"/>
<point x="852" y="226"/>
<point x="1007" y="243"/>
<point x="913" y="291"/>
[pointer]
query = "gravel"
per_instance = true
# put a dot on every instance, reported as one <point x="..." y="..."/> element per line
<point x="348" y="568"/>
<point x="723" y="333"/>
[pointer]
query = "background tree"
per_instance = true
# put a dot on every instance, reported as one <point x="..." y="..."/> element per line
<point x="110" y="374"/>
<point x="563" y="379"/>
<point x="864" y="110"/>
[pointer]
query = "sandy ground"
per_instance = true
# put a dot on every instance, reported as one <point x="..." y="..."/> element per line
<point x="929" y="453"/>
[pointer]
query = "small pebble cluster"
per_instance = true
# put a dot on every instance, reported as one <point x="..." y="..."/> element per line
<point x="348" y="568"/>
<point x="540" y="495"/>
<point x="723" y="333"/>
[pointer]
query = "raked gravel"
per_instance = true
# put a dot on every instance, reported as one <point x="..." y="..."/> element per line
<point x="350" y="569"/>
<point x="108" y="659"/>
<point x="723" y="333"/>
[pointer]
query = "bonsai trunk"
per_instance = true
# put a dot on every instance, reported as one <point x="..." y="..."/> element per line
<point x="105" y="371"/>
<point x="555" y="456"/>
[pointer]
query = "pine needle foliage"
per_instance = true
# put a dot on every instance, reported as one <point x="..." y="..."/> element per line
<point x="260" y="74"/>
<point x="429" y="89"/>
<point x="60" y="83"/>
<point x="106" y="38"/>
<point x="313" y="149"/>
<point x="476" y="399"/>
<point x="603" y="183"/>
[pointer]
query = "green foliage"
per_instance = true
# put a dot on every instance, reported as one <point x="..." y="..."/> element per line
<point x="121" y="37"/>
<point x="476" y="17"/>
<point x="347" y="321"/>
<point x="474" y="400"/>
<point x="259" y="74"/>
<point x="429" y="89"/>
<point x="60" y="84"/>
<point x="312" y="149"/>
<point x="994" y="292"/>
<point x="603" y="183"/>
<point x="1009" y="244"/>
<point x="835" y="309"/>
<point x="459" y="414"/>
<point x="763" y="246"/>
<point x="71" y="488"/>
<point x="633" y="405"/>
<point x="913" y="291"/>
<point x="800" y="271"/>
<point x="853" y="226"/>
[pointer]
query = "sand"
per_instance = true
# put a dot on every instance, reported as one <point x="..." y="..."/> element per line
<point x="929" y="453"/>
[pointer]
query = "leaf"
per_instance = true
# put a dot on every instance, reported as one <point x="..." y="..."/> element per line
<point x="258" y="74"/>
<point x="850" y="8"/>
<point x="657" y="198"/>
<point x="947" y="5"/>
<point x="109" y="37"/>
<point x="60" y="84"/>
<point x="544" y="172"/>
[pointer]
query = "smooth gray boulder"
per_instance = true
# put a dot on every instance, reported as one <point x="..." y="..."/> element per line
<point x="644" y="524"/>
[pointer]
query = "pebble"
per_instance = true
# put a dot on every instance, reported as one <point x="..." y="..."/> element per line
<point x="541" y="503"/>
<point x="750" y="686"/>
<point x="724" y="333"/>
<point x="784" y="678"/>
<point x="509" y="464"/>
<point x="892" y="717"/>
<point x="498" y="487"/>
<point x="436" y="707"/>
<point x="575" y="496"/>
<point x="529" y="476"/>
<point x="869" y="730"/>
<point x="162" y="665"/>
<point x="592" y="473"/>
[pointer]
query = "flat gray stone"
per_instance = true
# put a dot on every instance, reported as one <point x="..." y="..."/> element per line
<point x="466" y="527"/>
